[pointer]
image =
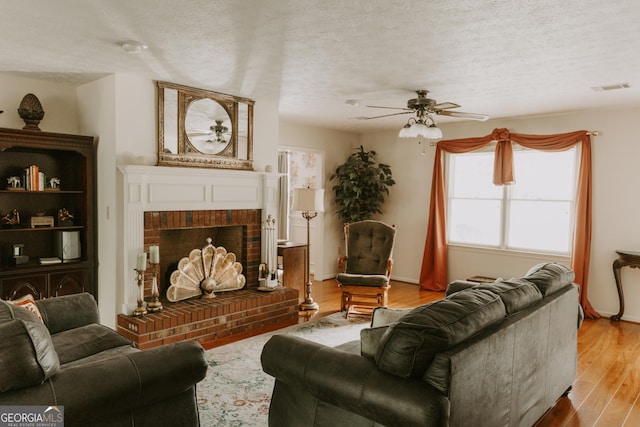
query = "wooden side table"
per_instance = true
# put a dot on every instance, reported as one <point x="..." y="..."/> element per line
<point x="625" y="258"/>
<point x="294" y="266"/>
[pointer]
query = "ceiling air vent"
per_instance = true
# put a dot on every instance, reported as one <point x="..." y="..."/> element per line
<point x="611" y="87"/>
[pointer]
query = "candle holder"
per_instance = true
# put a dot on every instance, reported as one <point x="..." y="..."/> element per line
<point x="154" y="305"/>
<point x="140" y="310"/>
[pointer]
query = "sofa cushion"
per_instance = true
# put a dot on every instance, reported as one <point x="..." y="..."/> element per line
<point x="370" y="339"/>
<point x="408" y="346"/>
<point x="9" y="312"/>
<point x="26" y="349"/>
<point x="459" y="285"/>
<point x="28" y="302"/>
<point x="550" y="277"/>
<point x="362" y="279"/>
<point x="384" y="316"/>
<point x="78" y="343"/>
<point x="516" y="294"/>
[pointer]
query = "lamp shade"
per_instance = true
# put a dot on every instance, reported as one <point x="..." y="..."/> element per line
<point x="308" y="199"/>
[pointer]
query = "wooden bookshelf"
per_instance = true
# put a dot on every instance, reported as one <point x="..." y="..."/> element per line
<point x="71" y="159"/>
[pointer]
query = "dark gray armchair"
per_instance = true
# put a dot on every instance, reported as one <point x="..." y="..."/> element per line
<point x="365" y="270"/>
<point x="68" y="359"/>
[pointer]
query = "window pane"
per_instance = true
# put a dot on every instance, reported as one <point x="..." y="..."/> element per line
<point x="539" y="225"/>
<point x="543" y="175"/>
<point x="473" y="176"/>
<point x="474" y="222"/>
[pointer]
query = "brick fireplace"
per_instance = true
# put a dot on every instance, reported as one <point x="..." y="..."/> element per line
<point x="177" y="209"/>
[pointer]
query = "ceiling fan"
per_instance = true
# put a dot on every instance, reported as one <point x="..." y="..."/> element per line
<point x="423" y="124"/>
<point x="215" y="133"/>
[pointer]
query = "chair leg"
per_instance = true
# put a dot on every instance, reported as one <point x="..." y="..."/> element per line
<point x="346" y="304"/>
<point x="385" y="298"/>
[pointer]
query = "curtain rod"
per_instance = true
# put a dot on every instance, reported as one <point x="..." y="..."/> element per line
<point x="589" y="132"/>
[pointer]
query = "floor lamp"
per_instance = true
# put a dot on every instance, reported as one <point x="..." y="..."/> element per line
<point x="310" y="201"/>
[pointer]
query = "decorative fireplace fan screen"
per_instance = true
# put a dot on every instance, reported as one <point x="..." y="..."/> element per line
<point x="204" y="272"/>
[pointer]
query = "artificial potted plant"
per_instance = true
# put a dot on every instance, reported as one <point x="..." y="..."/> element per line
<point x="362" y="184"/>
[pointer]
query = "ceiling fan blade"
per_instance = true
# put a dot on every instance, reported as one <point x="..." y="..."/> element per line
<point x="472" y="116"/>
<point x="199" y="133"/>
<point x="445" y="106"/>
<point x="377" y="117"/>
<point x="391" y="108"/>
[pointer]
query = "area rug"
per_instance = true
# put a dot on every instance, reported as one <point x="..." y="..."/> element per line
<point x="237" y="393"/>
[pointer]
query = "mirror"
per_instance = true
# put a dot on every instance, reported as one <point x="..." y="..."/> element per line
<point x="208" y="127"/>
<point x="200" y="128"/>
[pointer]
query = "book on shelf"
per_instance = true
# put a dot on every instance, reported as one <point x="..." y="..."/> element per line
<point x="50" y="260"/>
<point x="34" y="179"/>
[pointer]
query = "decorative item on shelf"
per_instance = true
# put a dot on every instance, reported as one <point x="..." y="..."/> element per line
<point x="19" y="258"/>
<point x="67" y="245"/>
<point x="310" y="201"/>
<point x="154" y="259"/>
<point x="11" y="220"/>
<point x="141" y="266"/>
<point x="65" y="218"/>
<point x="15" y="183"/>
<point x="30" y="110"/>
<point x="54" y="184"/>
<point x="41" y="220"/>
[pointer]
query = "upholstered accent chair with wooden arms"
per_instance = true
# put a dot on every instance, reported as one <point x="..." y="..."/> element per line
<point x="365" y="269"/>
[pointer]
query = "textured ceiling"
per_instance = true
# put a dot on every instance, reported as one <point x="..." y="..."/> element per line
<point x="501" y="58"/>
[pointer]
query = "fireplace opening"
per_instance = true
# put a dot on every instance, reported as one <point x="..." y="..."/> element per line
<point x="179" y="232"/>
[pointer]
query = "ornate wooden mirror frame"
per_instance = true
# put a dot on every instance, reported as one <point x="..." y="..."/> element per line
<point x="201" y="128"/>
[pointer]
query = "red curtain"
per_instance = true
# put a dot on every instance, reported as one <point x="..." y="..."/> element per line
<point x="433" y="275"/>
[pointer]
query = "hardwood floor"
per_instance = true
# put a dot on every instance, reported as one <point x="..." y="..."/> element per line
<point x="327" y="295"/>
<point x="606" y="392"/>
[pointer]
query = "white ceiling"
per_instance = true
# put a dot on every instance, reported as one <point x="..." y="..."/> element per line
<point x="501" y="58"/>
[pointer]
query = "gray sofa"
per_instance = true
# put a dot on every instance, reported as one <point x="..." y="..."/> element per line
<point x="68" y="359"/>
<point x="497" y="354"/>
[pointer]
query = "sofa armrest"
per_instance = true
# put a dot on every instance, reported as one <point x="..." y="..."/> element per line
<point x="116" y="384"/>
<point x="353" y="383"/>
<point x="68" y="312"/>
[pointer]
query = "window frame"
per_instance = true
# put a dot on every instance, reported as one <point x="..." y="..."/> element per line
<point x="505" y="205"/>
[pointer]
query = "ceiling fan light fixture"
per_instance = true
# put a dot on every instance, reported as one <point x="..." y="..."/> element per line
<point x="418" y="129"/>
<point x="404" y="132"/>
<point x="433" y="132"/>
<point x="424" y="126"/>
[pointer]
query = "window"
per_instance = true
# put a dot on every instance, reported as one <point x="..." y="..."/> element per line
<point x="534" y="214"/>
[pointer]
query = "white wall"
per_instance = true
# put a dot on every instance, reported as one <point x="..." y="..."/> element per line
<point x="98" y="117"/>
<point x="616" y="202"/>
<point x="58" y="102"/>
<point x="120" y="110"/>
<point x="336" y="147"/>
<point x="408" y="202"/>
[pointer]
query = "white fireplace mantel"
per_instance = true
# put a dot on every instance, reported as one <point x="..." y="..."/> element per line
<point x="159" y="188"/>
